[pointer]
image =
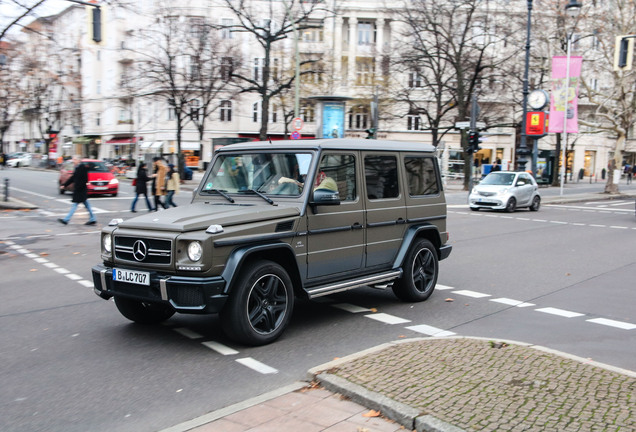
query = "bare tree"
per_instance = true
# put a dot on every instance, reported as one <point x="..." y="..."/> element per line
<point x="451" y="51"/>
<point x="269" y="22"/>
<point x="11" y="97"/>
<point x="610" y="92"/>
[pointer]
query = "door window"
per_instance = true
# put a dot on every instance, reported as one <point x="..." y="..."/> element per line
<point x="338" y="172"/>
<point x="381" y="176"/>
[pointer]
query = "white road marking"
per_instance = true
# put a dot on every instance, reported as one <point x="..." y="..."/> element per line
<point x="31" y="255"/>
<point x="61" y="270"/>
<point x="73" y="276"/>
<point x="387" y="319"/>
<point x="50" y="265"/>
<point x="257" y="366"/>
<point x="559" y="312"/>
<point x="220" y="348"/>
<point x="87" y="284"/>
<point x="351" y="308"/>
<point x="443" y="287"/>
<point x="430" y="331"/>
<point x="612" y="323"/>
<point x="188" y="333"/>
<point x="40" y="260"/>
<point x="511" y="302"/>
<point x="473" y="294"/>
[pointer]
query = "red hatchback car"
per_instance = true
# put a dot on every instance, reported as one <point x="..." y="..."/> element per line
<point x="100" y="180"/>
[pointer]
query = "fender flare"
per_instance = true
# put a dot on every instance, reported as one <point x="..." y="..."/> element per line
<point x="411" y="234"/>
<point x="239" y="256"/>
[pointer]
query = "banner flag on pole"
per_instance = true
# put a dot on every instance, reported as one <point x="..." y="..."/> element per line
<point x="559" y="89"/>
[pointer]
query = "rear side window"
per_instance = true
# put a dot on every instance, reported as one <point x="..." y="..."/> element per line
<point x="381" y="177"/>
<point x="421" y="175"/>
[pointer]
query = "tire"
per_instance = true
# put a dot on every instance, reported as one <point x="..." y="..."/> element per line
<point x="260" y="304"/>
<point x="536" y="203"/>
<point x="474" y="208"/>
<point x="143" y="313"/>
<point x="421" y="268"/>
<point x="511" y="205"/>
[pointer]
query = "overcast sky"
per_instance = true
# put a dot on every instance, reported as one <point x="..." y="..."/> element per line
<point x="9" y="10"/>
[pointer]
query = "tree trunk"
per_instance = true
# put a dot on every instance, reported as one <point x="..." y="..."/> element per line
<point x="615" y="164"/>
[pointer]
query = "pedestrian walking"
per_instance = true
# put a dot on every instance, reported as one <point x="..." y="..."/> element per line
<point x="630" y="172"/>
<point x="172" y="185"/>
<point x="79" y="179"/>
<point x="141" y="187"/>
<point x="159" y="182"/>
<point x="3" y="160"/>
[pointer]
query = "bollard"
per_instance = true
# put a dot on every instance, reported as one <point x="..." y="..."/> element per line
<point x="6" y="189"/>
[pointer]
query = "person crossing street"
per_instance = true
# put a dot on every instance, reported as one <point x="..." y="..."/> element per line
<point x="79" y="179"/>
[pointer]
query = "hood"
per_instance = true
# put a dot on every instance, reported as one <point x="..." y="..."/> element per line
<point x="491" y="188"/>
<point x="199" y="216"/>
<point x="100" y="176"/>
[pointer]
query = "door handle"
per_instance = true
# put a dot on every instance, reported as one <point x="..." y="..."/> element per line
<point x="356" y="226"/>
<point x="400" y="221"/>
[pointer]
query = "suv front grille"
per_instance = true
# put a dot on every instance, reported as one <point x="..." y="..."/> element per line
<point x="143" y="250"/>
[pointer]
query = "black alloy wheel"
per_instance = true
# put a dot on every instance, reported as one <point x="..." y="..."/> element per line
<point x="536" y="203"/>
<point x="421" y="269"/>
<point x="511" y="205"/>
<point x="260" y="306"/>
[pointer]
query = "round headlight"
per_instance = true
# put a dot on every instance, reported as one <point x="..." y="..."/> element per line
<point x="113" y="181"/>
<point x="195" y="251"/>
<point x="108" y="243"/>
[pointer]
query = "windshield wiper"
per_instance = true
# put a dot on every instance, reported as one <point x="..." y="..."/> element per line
<point x="265" y="197"/>
<point x="220" y="192"/>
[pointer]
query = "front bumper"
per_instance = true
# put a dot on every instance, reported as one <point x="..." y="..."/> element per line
<point x="194" y="295"/>
<point x="496" y="202"/>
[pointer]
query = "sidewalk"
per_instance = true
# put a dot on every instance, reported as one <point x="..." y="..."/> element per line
<point x="442" y="385"/>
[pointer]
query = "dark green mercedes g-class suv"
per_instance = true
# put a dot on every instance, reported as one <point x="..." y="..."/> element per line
<point x="272" y="221"/>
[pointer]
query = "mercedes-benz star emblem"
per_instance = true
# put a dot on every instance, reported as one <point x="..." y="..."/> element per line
<point x="140" y="250"/>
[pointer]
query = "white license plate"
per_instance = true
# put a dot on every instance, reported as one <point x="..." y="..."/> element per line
<point x="131" y="276"/>
<point x="100" y="188"/>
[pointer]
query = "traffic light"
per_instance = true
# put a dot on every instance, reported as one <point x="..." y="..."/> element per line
<point x="624" y="52"/>
<point x="97" y="24"/>
<point x="370" y="133"/>
<point x="474" y="139"/>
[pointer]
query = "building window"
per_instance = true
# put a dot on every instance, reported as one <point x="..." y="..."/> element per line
<point x="227" y="67"/>
<point x="273" y="113"/>
<point x="226" y="111"/>
<point x="274" y="69"/>
<point x="98" y="119"/>
<point x="256" y="108"/>
<point x="366" y="33"/>
<point x="413" y="122"/>
<point x="171" y="114"/>
<point x="364" y="71"/>
<point x="98" y="87"/>
<point x="226" y="31"/>
<point x="308" y="113"/>
<point x="258" y="68"/>
<point x="359" y="117"/>
<point x="312" y="35"/>
<point x="415" y="79"/>
<point x="195" y="108"/>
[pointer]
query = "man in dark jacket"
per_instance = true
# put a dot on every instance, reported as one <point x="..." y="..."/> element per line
<point x="80" y="191"/>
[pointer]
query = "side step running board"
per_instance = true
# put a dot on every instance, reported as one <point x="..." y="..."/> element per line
<point x="354" y="283"/>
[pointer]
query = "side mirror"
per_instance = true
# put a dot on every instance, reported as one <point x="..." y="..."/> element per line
<point x="325" y="197"/>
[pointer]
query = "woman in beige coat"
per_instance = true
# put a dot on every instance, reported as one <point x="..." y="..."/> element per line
<point x="159" y="182"/>
<point x="172" y="185"/>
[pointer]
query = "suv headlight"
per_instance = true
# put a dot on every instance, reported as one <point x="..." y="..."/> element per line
<point x="195" y="251"/>
<point x="107" y="242"/>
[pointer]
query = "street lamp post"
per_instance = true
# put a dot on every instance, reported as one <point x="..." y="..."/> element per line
<point x="523" y="151"/>
<point x="572" y="9"/>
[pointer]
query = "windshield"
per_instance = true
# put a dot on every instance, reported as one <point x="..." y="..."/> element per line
<point x="268" y="173"/>
<point x="96" y="167"/>
<point x="502" y="179"/>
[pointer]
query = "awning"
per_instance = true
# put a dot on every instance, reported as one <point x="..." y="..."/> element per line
<point x="157" y="144"/>
<point x="121" y="141"/>
<point x="145" y="144"/>
<point x="191" y="145"/>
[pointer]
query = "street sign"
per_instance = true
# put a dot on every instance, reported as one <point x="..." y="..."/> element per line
<point x="297" y="123"/>
<point x="295" y="135"/>
<point x="535" y="124"/>
<point x="466" y="125"/>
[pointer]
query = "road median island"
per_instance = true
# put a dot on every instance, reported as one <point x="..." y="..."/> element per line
<point x="451" y="384"/>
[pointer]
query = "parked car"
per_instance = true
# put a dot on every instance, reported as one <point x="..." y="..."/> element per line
<point x="273" y="221"/>
<point x="505" y="190"/>
<point x="19" y="159"/>
<point x="100" y="180"/>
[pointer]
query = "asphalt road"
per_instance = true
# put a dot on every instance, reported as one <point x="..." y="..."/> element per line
<point x="562" y="277"/>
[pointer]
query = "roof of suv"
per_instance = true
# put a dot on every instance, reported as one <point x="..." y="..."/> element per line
<point x="339" y="144"/>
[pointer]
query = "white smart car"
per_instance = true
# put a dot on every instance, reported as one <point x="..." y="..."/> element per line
<point x="505" y="190"/>
<point x="19" y="159"/>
